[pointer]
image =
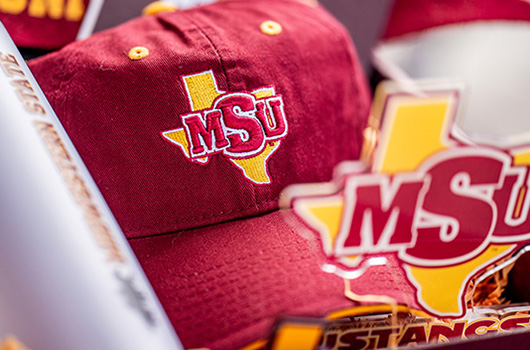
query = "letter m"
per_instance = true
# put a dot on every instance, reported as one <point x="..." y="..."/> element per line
<point x="205" y="137"/>
<point x="379" y="213"/>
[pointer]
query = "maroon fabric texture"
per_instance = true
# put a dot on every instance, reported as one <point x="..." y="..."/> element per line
<point x="114" y="108"/>
<point x="224" y="286"/>
<point x="416" y="15"/>
<point x="54" y="29"/>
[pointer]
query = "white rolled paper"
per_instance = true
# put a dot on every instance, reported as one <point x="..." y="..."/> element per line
<point x="68" y="278"/>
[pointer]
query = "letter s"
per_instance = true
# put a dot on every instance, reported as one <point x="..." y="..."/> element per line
<point x="458" y="211"/>
<point x="239" y="114"/>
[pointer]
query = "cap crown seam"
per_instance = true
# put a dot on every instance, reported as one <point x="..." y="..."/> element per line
<point x="217" y="53"/>
<point x="220" y="214"/>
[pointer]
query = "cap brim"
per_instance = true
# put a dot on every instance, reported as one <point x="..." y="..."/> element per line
<point x="224" y="286"/>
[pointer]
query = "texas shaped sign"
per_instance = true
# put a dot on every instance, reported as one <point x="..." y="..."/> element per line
<point x="444" y="206"/>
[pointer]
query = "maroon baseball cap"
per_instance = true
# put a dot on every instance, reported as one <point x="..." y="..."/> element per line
<point x="411" y="16"/>
<point x="192" y="123"/>
<point x="41" y="24"/>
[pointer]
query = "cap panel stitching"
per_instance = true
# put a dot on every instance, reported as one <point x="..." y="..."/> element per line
<point x="194" y="20"/>
<point x="220" y="214"/>
<point x="201" y="30"/>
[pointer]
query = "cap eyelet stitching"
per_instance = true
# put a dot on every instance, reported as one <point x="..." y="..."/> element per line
<point x="271" y="28"/>
<point x="138" y="52"/>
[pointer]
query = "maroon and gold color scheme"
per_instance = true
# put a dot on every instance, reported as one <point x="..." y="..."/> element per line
<point x="443" y="206"/>
<point x="381" y="331"/>
<point x="247" y="128"/>
<point x="233" y="102"/>
<point x="42" y="24"/>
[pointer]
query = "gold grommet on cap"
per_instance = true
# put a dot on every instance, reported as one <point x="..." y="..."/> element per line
<point x="138" y="52"/>
<point x="271" y="28"/>
<point x="157" y="7"/>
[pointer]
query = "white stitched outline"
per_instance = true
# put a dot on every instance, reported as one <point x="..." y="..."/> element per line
<point x="204" y="121"/>
<point x="265" y="160"/>
<point x="203" y="157"/>
<point x="282" y="115"/>
<point x="184" y="150"/>
<point x="247" y="114"/>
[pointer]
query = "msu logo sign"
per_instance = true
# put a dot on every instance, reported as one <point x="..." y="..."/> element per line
<point x="445" y="207"/>
<point x="246" y="128"/>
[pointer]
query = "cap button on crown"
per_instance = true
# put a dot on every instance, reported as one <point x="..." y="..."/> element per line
<point x="138" y="52"/>
<point x="271" y="28"/>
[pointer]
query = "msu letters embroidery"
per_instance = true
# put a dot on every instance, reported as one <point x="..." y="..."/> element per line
<point x="246" y="128"/>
